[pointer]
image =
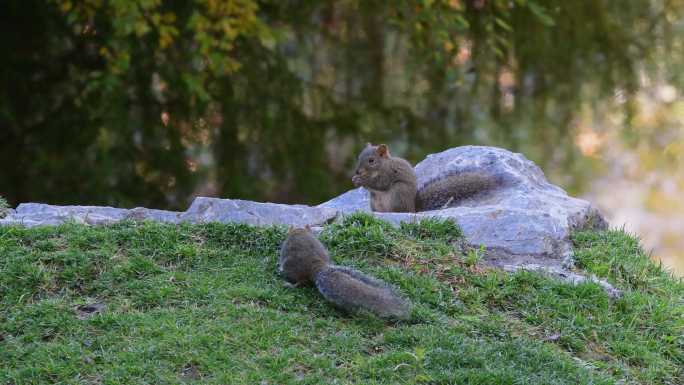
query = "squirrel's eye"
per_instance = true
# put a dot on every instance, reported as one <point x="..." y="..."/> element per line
<point x="371" y="160"/>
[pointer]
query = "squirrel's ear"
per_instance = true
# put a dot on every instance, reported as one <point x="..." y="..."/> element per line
<point x="307" y="227"/>
<point x="383" y="150"/>
<point x="368" y="144"/>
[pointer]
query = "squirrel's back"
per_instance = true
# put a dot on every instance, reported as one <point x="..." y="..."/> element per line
<point x="352" y="290"/>
<point x="302" y="255"/>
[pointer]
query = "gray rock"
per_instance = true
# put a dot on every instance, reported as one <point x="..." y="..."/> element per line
<point x="567" y="276"/>
<point x="141" y="213"/>
<point x="255" y="213"/>
<point x="5" y="212"/>
<point x="35" y="214"/>
<point x="352" y="201"/>
<point x="526" y="220"/>
<point x="38" y="214"/>
<point x="202" y="210"/>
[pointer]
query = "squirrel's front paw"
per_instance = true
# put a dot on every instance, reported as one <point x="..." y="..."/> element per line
<point x="356" y="180"/>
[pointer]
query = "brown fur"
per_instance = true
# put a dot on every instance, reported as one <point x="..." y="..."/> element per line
<point x="450" y="189"/>
<point x="391" y="182"/>
<point x="302" y="256"/>
<point x="303" y="259"/>
<point x="352" y="291"/>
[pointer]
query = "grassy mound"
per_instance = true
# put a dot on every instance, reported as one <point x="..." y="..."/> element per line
<point x="155" y="303"/>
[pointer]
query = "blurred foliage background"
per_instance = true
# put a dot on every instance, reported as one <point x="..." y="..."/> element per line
<point x="151" y="102"/>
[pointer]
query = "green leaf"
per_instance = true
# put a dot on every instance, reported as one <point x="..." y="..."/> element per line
<point x="541" y="14"/>
<point x="503" y="24"/>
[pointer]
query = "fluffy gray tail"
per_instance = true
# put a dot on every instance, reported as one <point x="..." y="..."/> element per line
<point x="448" y="190"/>
<point x="354" y="291"/>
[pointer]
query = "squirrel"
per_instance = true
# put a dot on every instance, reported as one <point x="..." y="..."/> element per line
<point x="304" y="260"/>
<point x="392" y="184"/>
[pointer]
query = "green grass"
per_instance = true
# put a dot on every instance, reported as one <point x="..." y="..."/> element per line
<point x="203" y="304"/>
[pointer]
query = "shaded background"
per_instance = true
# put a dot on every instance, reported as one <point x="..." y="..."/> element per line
<point x="151" y="103"/>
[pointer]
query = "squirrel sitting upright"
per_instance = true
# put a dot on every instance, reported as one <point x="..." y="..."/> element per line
<point x="303" y="260"/>
<point x="392" y="184"/>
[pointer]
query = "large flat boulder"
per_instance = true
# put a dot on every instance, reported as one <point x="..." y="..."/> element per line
<point x="202" y="210"/>
<point x="40" y="214"/>
<point x="256" y="213"/>
<point x="524" y="219"/>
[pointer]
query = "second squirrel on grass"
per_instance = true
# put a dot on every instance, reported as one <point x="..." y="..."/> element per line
<point x="303" y="260"/>
<point x="392" y="184"/>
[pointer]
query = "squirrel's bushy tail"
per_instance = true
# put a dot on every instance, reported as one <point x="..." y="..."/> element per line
<point x="449" y="190"/>
<point x="352" y="290"/>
